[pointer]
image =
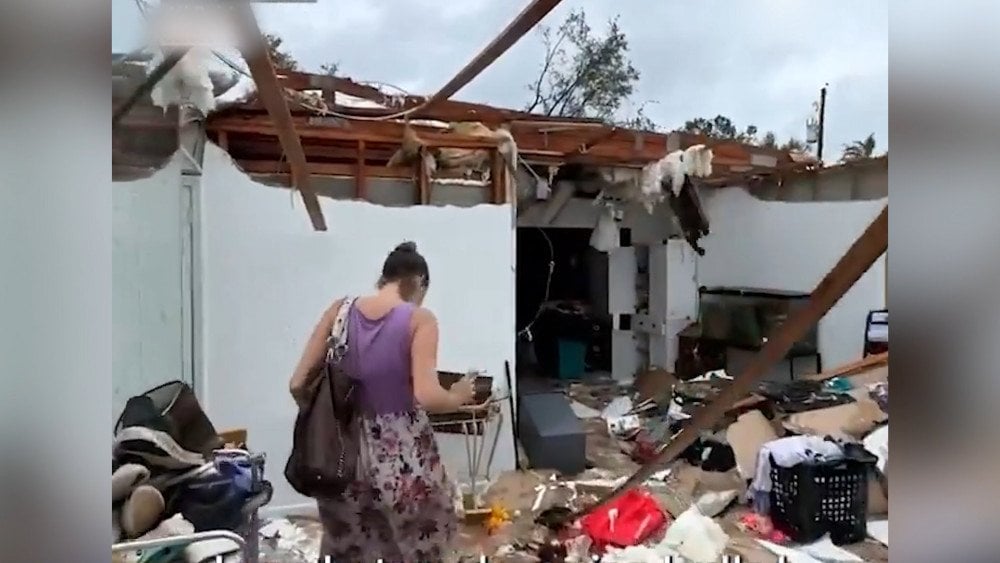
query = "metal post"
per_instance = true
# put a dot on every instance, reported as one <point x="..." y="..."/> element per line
<point x="822" y="119"/>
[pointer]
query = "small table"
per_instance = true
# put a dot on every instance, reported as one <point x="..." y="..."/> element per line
<point x="476" y="422"/>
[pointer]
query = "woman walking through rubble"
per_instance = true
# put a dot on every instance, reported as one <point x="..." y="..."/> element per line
<point x="401" y="508"/>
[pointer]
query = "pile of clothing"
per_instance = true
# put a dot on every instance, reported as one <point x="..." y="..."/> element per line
<point x="805" y="395"/>
<point x="172" y="476"/>
<point x="879" y="392"/>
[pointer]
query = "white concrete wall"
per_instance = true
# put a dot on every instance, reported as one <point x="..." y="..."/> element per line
<point x="267" y="277"/>
<point x="151" y="299"/>
<point x="791" y="246"/>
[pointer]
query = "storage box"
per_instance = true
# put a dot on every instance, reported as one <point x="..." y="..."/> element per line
<point x="552" y="436"/>
<point x="572" y="359"/>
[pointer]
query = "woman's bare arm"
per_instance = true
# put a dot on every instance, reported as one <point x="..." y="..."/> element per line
<point x="314" y="352"/>
<point x="427" y="387"/>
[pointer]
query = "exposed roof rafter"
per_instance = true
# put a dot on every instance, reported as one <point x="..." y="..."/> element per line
<point x="271" y="94"/>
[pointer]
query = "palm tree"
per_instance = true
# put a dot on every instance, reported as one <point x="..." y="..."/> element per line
<point x="859" y="149"/>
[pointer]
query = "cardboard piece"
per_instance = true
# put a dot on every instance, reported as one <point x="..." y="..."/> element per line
<point x="853" y="420"/>
<point x="746" y="436"/>
<point x="878" y="496"/>
<point x="656" y="384"/>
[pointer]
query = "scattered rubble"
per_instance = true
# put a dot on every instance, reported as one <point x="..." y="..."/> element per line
<point x="696" y="508"/>
<point x="690" y="510"/>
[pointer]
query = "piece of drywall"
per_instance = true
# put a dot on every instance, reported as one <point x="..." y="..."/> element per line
<point x="267" y="278"/>
<point x="791" y="246"/>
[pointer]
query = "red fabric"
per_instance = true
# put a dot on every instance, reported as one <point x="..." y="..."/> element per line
<point x="763" y="527"/>
<point x="638" y="517"/>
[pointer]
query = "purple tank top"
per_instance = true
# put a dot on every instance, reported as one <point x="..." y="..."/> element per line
<point x="379" y="353"/>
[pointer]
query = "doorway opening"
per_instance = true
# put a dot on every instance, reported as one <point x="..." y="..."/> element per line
<point x="562" y="316"/>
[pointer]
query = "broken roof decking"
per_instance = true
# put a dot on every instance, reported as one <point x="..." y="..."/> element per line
<point x="247" y="132"/>
<point x="328" y="137"/>
<point x="351" y="141"/>
<point x="269" y="90"/>
<point x="792" y="170"/>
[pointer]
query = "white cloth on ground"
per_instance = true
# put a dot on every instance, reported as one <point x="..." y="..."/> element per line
<point x="878" y="443"/>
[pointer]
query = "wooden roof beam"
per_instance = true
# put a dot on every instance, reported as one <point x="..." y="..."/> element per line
<point x="523" y="23"/>
<point x="270" y="92"/>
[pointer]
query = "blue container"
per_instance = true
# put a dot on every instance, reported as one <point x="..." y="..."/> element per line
<point x="572" y="359"/>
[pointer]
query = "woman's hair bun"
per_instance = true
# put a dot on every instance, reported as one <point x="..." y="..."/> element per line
<point x="408" y="246"/>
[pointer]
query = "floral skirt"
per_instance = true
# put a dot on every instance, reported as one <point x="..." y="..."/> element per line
<point x="402" y="508"/>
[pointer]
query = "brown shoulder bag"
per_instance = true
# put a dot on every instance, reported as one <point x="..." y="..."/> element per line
<point x="326" y="442"/>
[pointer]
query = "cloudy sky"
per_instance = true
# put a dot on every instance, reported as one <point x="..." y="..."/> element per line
<point x="756" y="61"/>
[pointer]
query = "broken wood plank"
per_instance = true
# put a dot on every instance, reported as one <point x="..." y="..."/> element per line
<point x="523" y="23"/>
<point x="388" y="132"/>
<point x="274" y="167"/>
<point x="271" y="94"/>
<point x="858" y="259"/>
<point x="360" y="178"/>
<point x="423" y="178"/>
<point x="851" y="368"/>
<point x="593" y="141"/>
<point x="497" y="179"/>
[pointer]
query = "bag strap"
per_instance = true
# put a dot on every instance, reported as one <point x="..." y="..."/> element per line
<point x="337" y="341"/>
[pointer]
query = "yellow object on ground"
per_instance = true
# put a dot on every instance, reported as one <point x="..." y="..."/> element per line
<point x="497" y="518"/>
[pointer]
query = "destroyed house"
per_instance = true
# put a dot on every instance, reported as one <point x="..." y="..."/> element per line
<point x="557" y="246"/>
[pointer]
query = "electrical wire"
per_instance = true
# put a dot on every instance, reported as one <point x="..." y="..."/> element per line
<point x="530" y="171"/>
<point x="526" y="331"/>
<point x="322" y="110"/>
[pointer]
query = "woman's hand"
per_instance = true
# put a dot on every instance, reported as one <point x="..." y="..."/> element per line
<point x="463" y="390"/>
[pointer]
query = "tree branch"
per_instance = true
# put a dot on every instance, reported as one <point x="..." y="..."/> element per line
<point x="549" y="55"/>
<point x="564" y="95"/>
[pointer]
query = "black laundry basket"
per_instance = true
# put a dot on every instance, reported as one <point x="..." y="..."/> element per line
<point x="172" y="408"/>
<point x="810" y="500"/>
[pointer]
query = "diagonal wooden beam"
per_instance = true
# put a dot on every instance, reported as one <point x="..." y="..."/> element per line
<point x="872" y="243"/>
<point x="271" y="94"/>
<point x="523" y="23"/>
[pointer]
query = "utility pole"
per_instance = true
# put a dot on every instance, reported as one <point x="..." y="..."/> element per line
<point x="822" y="119"/>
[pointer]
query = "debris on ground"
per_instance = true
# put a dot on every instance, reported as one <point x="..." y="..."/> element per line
<point x="701" y="506"/>
<point x="696" y="508"/>
<point x="290" y="541"/>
